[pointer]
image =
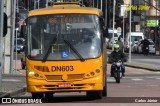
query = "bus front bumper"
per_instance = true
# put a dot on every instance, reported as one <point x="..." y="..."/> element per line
<point x="36" y="85"/>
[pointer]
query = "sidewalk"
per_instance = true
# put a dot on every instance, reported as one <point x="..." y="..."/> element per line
<point x="146" y="66"/>
<point x="14" y="84"/>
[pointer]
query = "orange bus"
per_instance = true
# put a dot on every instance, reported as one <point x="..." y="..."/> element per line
<point x="65" y="51"/>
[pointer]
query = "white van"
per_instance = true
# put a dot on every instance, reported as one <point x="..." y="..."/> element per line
<point x="135" y="36"/>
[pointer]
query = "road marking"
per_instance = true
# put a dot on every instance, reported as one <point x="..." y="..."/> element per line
<point x="14" y="80"/>
<point x="110" y="80"/>
<point x="137" y="79"/>
<point x="152" y="85"/>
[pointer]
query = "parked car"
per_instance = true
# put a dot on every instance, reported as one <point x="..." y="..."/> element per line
<point x="151" y="46"/>
<point x="20" y="45"/>
<point x="134" y="46"/>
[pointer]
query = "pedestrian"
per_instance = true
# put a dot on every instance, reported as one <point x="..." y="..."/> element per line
<point x="145" y="46"/>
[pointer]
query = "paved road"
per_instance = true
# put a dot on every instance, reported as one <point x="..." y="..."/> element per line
<point x="137" y="83"/>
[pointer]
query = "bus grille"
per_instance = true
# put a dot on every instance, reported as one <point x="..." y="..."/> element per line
<point x="42" y="68"/>
<point x="54" y="77"/>
<point x="59" y="77"/>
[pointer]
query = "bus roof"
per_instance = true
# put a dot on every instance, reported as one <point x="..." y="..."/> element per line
<point x="62" y="8"/>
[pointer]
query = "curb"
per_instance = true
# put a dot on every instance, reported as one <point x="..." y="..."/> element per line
<point x="13" y="93"/>
<point x="142" y="67"/>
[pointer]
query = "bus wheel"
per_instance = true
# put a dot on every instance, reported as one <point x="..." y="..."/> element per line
<point x="104" y="92"/>
<point x="94" y="94"/>
<point x="37" y="95"/>
<point x="48" y="95"/>
<point x="23" y="65"/>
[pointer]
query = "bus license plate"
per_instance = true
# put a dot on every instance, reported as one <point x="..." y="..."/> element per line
<point x="64" y="85"/>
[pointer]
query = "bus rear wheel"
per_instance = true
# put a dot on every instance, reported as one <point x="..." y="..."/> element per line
<point x="94" y="94"/>
<point x="37" y="95"/>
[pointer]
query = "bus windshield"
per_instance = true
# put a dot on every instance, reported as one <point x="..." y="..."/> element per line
<point x="81" y="31"/>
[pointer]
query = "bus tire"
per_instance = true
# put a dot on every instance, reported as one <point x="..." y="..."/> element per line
<point x="37" y="95"/>
<point x="23" y="66"/>
<point x="48" y="95"/>
<point x="104" y="92"/>
<point x="94" y="94"/>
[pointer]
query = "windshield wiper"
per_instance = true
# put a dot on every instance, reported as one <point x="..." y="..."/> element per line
<point x="47" y="52"/>
<point x="71" y="46"/>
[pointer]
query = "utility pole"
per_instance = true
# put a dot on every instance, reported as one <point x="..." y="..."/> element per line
<point x="13" y="33"/>
<point x="130" y="31"/>
<point x="46" y="3"/>
<point x="93" y="3"/>
<point x="106" y="12"/>
<point x="1" y="37"/>
<point x="114" y="3"/>
<point x="123" y="14"/>
<point x="7" y="39"/>
<point x="156" y="46"/>
<point x="101" y="4"/>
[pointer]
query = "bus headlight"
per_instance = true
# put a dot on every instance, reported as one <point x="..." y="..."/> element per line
<point x="35" y="75"/>
<point x="31" y="73"/>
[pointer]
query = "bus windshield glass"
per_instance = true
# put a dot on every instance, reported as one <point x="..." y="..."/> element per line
<point x="81" y="31"/>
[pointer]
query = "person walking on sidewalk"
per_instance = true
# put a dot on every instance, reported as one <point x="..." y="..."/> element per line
<point x="145" y="46"/>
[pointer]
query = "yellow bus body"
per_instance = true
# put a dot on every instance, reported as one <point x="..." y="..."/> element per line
<point x="68" y="9"/>
<point x="42" y="78"/>
<point x="79" y="79"/>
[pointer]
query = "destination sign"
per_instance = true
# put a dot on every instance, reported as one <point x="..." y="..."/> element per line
<point x="66" y="20"/>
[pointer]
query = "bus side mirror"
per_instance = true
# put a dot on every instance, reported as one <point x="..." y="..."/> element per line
<point x="5" y="25"/>
<point x="23" y="31"/>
